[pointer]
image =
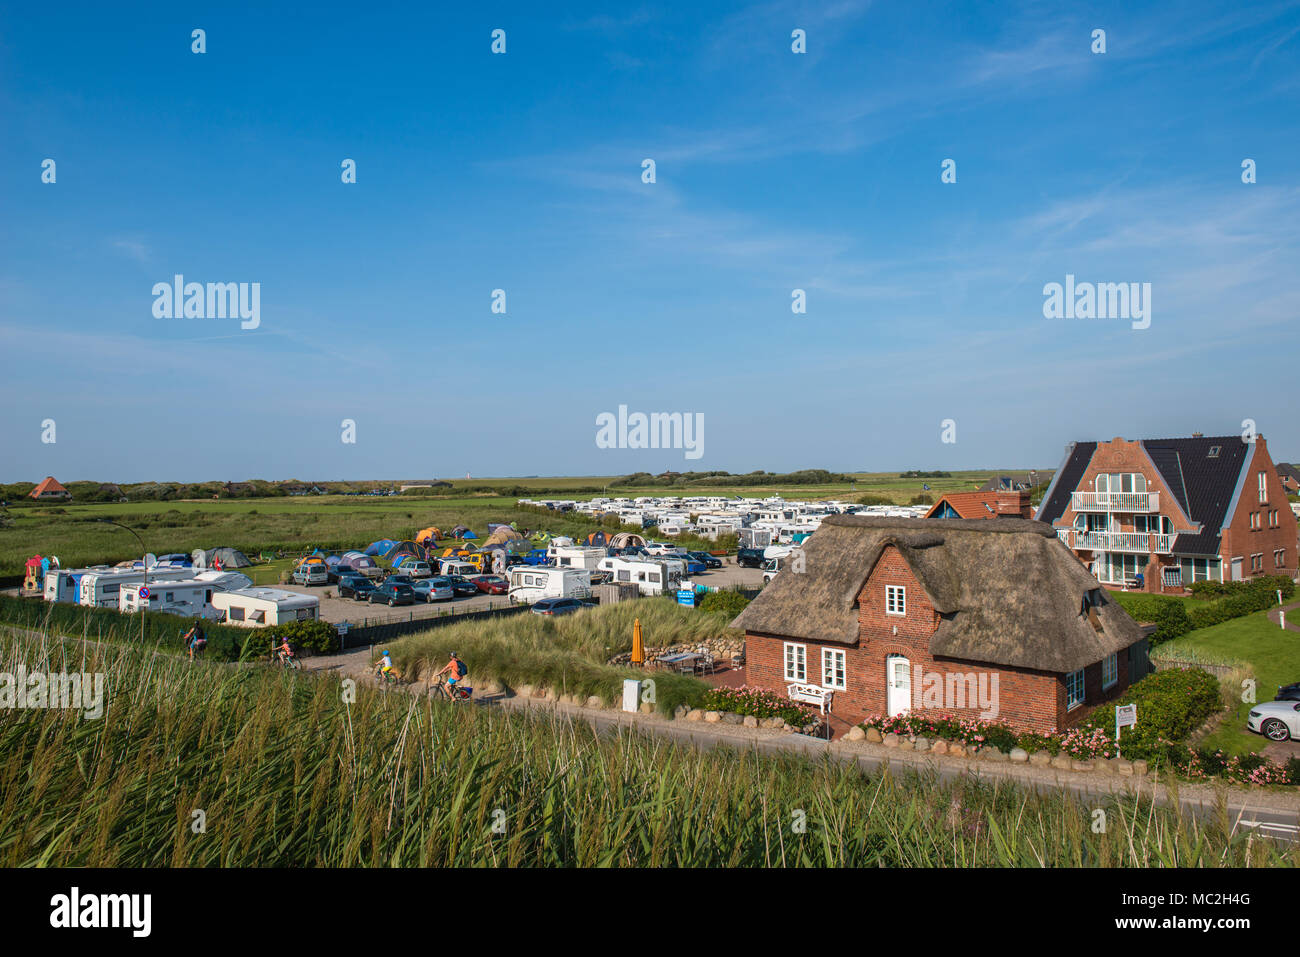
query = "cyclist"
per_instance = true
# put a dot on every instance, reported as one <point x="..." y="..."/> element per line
<point x="194" y="640"/>
<point x="284" y="651"/>
<point x="385" y="664"/>
<point x="455" y="670"/>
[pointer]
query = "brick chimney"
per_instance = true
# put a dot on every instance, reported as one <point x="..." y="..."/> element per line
<point x="1014" y="505"/>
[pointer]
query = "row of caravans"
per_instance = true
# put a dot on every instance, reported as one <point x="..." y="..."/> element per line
<point x="191" y="598"/>
<point x="652" y="576"/>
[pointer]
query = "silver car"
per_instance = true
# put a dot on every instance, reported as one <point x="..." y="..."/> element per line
<point x="433" y="589"/>
<point x="1275" y="720"/>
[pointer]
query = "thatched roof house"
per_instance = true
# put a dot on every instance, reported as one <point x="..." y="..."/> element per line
<point x="1001" y="594"/>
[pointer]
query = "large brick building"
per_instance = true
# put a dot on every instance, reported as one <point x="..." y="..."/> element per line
<point x="1173" y="511"/>
<point x="948" y="615"/>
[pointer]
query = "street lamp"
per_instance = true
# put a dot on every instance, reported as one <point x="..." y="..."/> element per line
<point x="144" y="560"/>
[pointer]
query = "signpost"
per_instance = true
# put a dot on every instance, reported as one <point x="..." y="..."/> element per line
<point x="1126" y="716"/>
<point x="686" y="596"/>
<point x="144" y="594"/>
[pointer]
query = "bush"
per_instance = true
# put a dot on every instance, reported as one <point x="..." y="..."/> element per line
<point x="875" y="500"/>
<point x="760" y="704"/>
<point x="309" y="635"/>
<point x="729" y="603"/>
<point x="1170" y="705"/>
<point x="1172" y="621"/>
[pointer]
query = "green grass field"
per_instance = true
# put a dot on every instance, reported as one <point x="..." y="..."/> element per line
<point x="294" y="524"/>
<point x="1271" y="654"/>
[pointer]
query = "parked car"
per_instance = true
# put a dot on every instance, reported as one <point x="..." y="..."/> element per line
<point x="1275" y="720"/>
<point x="415" y="569"/>
<point x="356" y="587"/>
<point x="313" y="574"/>
<point x="710" y="561"/>
<point x="693" y="565"/>
<point x="460" y="585"/>
<point x="433" y="589"/>
<point x="535" y="557"/>
<point x="401" y="580"/>
<point x="750" y="557"/>
<point x="556" y="606"/>
<point x="392" y="593"/>
<point x="491" y="584"/>
<point x="1288" y="693"/>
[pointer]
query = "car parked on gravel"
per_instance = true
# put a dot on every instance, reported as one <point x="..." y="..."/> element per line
<point x="313" y="574"/>
<point x="461" y="586"/>
<point x="710" y="561"/>
<point x="1275" y="720"/>
<point x="491" y="584"/>
<point x="356" y="587"/>
<point x="433" y="589"/>
<point x="557" y="606"/>
<point x="392" y="593"/>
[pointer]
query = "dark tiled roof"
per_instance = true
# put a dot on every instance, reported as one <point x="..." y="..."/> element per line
<point x="1066" y="481"/>
<point x="1202" y="485"/>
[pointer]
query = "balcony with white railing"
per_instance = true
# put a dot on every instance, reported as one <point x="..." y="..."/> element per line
<point x="1143" y="543"/>
<point x="1115" y="501"/>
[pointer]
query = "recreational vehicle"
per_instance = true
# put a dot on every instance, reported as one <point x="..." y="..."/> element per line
<point x="255" y="607"/>
<point x="100" y="589"/>
<point x="190" y="598"/>
<point x="576" y="556"/>
<point x="530" y="584"/>
<point x="458" y="566"/>
<point x="63" y="584"/>
<point x="651" y="576"/>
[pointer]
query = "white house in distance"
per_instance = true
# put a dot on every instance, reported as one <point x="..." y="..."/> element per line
<point x="255" y="607"/>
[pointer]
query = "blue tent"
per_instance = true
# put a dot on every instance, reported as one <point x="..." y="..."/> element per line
<point x="469" y="535"/>
<point x="381" y="547"/>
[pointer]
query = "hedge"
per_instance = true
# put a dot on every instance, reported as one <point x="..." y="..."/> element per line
<point x="1170" y="706"/>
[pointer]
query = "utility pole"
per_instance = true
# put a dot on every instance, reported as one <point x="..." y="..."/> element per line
<point x="144" y="560"/>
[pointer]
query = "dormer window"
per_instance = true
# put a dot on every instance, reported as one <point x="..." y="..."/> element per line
<point x="895" y="600"/>
<point x="1214" y="451"/>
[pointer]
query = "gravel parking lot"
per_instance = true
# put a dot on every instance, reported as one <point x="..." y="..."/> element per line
<point x="336" y="609"/>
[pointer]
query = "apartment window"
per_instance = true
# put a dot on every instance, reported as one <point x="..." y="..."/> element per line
<point x="1073" y="689"/>
<point x="1257" y="562"/>
<point x="833" y="669"/>
<point x="796" y="662"/>
<point x="1263" y="487"/>
<point x="895" y="600"/>
<point x="1279" y="558"/>
<point x="1109" y="671"/>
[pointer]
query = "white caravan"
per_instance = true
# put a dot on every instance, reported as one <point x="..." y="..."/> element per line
<point x="255" y="607"/>
<point x="651" y="576"/>
<point x="575" y="556"/>
<point x="190" y="599"/>
<point x="532" y="583"/>
<point x="101" y="589"/>
<point x="64" y="584"/>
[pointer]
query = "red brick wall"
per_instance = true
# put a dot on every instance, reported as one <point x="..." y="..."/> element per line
<point x="1240" y="540"/>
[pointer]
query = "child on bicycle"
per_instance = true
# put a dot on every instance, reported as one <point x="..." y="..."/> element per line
<point x="284" y="651"/>
<point x="385" y="665"/>
<point x="455" y="670"/>
<point x="194" y="640"/>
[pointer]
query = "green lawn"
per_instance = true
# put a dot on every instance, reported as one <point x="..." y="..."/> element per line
<point x="1272" y="655"/>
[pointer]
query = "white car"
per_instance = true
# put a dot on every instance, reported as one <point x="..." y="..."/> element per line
<point x="1275" y="720"/>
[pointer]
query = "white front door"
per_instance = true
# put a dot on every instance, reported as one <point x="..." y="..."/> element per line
<point x="899" y="678"/>
<point x="1236" y="569"/>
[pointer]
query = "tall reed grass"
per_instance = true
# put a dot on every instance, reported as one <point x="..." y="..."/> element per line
<point x="289" y="775"/>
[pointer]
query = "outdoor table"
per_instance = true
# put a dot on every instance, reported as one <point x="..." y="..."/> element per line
<point x="678" y="660"/>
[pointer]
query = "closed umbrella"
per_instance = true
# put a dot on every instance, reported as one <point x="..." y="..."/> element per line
<point x="638" y="650"/>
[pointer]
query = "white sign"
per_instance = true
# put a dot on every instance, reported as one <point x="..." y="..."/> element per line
<point x="341" y="628"/>
<point x="1126" y="716"/>
<point x="631" y="695"/>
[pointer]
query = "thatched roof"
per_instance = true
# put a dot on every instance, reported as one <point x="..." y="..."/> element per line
<point x="1008" y="592"/>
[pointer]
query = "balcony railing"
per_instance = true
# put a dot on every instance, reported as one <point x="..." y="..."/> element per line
<point x="1115" y="501"/>
<point x="1144" y="543"/>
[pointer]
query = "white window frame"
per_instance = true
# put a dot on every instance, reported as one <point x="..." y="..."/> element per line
<point x="1109" y="667"/>
<point x="797" y="655"/>
<point x="896" y="598"/>
<point x="1263" y="488"/>
<point x="1072" y="701"/>
<point x="835" y="670"/>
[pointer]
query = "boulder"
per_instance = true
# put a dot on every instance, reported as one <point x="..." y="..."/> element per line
<point x="731" y="717"/>
<point x="957" y="748"/>
<point x="1062" y="761"/>
<point x="1019" y="756"/>
<point x="595" y="701"/>
<point x="647" y="707"/>
<point x="1040" y="759"/>
<point x="874" y="736"/>
<point x="491" y="686"/>
<point x="890" y="740"/>
<point x="1139" y="767"/>
<point x="921" y="744"/>
<point x="713" y="717"/>
<point x="1123" y="767"/>
<point x="1077" y="765"/>
<point x="995" y="755"/>
<point x="777" y="723"/>
<point x="855" y="733"/>
<point x="751" y="721"/>
<point x="524" y="691"/>
<point x="695" y="714"/>
<point x="939" y="747"/>
<point x="680" y="711"/>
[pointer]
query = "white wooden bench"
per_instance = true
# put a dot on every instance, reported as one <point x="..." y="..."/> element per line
<point x="811" y="694"/>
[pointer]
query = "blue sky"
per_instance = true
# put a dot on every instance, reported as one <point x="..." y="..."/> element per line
<point x="522" y="171"/>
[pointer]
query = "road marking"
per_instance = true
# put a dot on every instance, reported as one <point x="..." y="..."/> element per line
<point x="1280" y="830"/>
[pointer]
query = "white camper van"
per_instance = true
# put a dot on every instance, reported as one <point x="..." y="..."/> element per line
<point x="455" y="566"/>
<point x="64" y="584"/>
<point x="576" y="556"/>
<point x="651" y="576"/>
<point x="255" y="607"/>
<point x="532" y="583"/>
<point x="101" y="589"/>
<point x="191" y="599"/>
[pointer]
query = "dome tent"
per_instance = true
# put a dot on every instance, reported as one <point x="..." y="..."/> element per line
<point x="402" y="550"/>
<point x="381" y="547"/>
<point x="459" y="531"/>
<point x="229" y="557"/>
<point x="427" y="536"/>
<point x="627" y="540"/>
<point x="356" y="561"/>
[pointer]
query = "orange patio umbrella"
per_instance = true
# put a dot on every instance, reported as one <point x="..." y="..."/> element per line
<point x="638" y="650"/>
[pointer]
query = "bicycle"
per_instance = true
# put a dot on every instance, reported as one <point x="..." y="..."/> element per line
<point x="289" y="661"/>
<point x="454" y="693"/>
<point x="390" y="677"/>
